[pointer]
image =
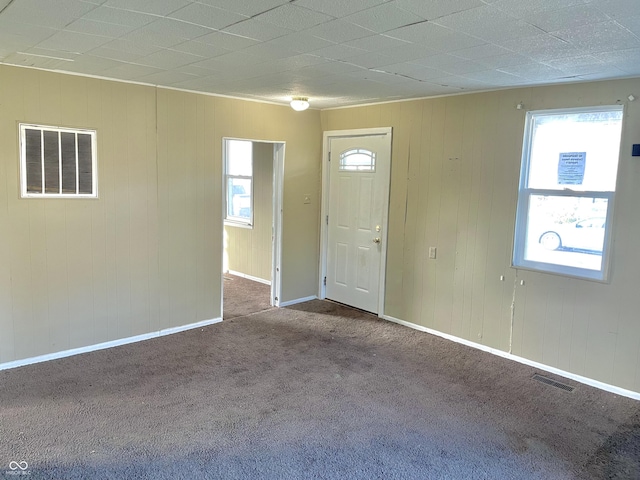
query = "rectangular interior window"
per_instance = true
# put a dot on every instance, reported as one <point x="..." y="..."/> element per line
<point x="239" y="182"/>
<point x="567" y="188"/>
<point x="57" y="162"/>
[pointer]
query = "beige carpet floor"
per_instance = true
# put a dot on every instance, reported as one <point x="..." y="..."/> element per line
<point x="315" y="391"/>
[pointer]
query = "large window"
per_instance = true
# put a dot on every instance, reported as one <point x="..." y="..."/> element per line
<point x="57" y="162"/>
<point x="567" y="188"/>
<point x="239" y="182"/>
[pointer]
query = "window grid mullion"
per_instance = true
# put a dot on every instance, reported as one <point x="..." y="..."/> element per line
<point x="42" y="159"/>
<point x="76" y="172"/>
<point x="59" y="162"/>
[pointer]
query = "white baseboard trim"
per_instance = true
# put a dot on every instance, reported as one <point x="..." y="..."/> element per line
<point x="101" y="346"/>
<point x="578" y="378"/>
<point x="288" y="303"/>
<point x="249" y="277"/>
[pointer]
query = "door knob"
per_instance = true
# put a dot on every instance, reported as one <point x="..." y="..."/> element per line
<point x="376" y="240"/>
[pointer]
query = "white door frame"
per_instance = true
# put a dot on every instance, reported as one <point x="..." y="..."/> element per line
<point x="276" y="228"/>
<point x="324" y="230"/>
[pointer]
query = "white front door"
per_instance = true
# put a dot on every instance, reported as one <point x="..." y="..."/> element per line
<point x="358" y="200"/>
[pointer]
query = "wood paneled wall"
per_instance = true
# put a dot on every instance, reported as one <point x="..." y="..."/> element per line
<point x="455" y="172"/>
<point x="147" y="254"/>
<point x="249" y="250"/>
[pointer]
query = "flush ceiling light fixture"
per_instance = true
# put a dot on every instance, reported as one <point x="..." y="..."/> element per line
<point x="299" y="103"/>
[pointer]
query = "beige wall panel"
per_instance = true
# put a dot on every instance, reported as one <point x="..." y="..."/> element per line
<point x="78" y="254"/>
<point x="146" y="255"/>
<point x="467" y="210"/>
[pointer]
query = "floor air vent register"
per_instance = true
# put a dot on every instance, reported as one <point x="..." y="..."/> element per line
<point x="553" y="383"/>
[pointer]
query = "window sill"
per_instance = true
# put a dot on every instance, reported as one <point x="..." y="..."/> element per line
<point x="231" y="223"/>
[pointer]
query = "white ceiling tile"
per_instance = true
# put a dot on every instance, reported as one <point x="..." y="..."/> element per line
<point x="436" y="9"/>
<point x="581" y="65"/>
<point x="30" y="33"/>
<point x="198" y="48"/>
<point x="37" y="61"/>
<point x="376" y="43"/>
<point x="156" y="7"/>
<point x="488" y="23"/>
<point x="92" y="66"/>
<point x="408" y="52"/>
<point x="127" y="46"/>
<point x="207" y="16"/>
<point x="617" y="9"/>
<point x="293" y="17"/>
<point x="196" y="71"/>
<point x="450" y="64"/>
<point x="43" y="52"/>
<point x="470" y="44"/>
<point x="73" y="42"/>
<point x="607" y="75"/>
<point x="576" y="16"/>
<point x="526" y="8"/>
<point x="542" y="47"/>
<point x="169" y="59"/>
<point x="383" y="18"/>
<point x="270" y="51"/>
<point x="114" y="54"/>
<point x="418" y="72"/>
<point x="535" y="71"/>
<point x="338" y="31"/>
<point x="422" y="33"/>
<point x="329" y="68"/>
<point x="631" y="23"/>
<point x="339" y="52"/>
<point x="371" y="60"/>
<point x="92" y="27"/>
<point x="298" y="61"/>
<point x="497" y="78"/>
<point x="338" y="8"/>
<point x="165" y="78"/>
<point x="499" y="61"/>
<point x="600" y="37"/>
<point x="165" y="32"/>
<point x="129" y="71"/>
<point x="119" y="16"/>
<point x="257" y="30"/>
<point x="227" y="40"/>
<point x="626" y="60"/>
<point x="51" y="14"/>
<point x="481" y="51"/>
<point x="249" y="8"/>
<point x="454" y="42"/>
<point x="301" y="42"/>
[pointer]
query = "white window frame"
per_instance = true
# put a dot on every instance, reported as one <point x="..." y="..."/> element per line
<point x="525" y="193"/>
<point x="23" y="127"/>
<point x="232" y="220"/>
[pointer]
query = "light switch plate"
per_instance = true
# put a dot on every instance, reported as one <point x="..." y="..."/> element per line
<point x="307" y="198"/>
<point x="432" y="252"/>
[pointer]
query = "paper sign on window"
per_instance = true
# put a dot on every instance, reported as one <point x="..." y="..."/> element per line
<point x="571" y="168"/>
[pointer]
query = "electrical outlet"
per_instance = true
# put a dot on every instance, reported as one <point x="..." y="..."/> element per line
<point x="432" y="252"/>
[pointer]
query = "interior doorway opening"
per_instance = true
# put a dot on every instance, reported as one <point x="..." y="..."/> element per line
<point x="252" y="214"/>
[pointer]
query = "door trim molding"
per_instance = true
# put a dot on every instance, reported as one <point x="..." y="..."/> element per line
<point x="327" y="136"/>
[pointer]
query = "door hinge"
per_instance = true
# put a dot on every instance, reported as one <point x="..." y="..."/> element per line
<point x="327" y="219"/>
<point x="329" y="156"/>
<point x="325" y="281"/>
